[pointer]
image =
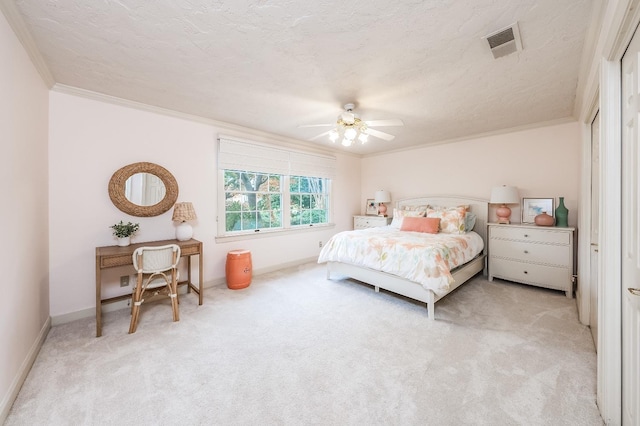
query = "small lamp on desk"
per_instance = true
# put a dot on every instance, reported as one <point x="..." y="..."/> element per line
<point x="504" y="195"/>
<point x="381" y="198"/>
<point x="182" y="212"/>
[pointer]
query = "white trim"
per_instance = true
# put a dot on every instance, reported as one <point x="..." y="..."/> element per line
<point x="23" y="371"/>
<point x="14" y="18"/>
<point x="235" y="131"/>
<point x="266" y="233"/>
<point x="584" y="222"/>
<point x="609" y="368"/>
<point x="218" y="282"/>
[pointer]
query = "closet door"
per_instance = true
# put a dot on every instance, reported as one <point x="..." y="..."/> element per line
<point x="630" y="232"/>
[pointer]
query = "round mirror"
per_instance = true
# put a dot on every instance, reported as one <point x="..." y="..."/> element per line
<point x="143" y="189"/>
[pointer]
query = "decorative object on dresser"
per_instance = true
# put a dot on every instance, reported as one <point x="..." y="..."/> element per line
<point x="532" y="255"/>
<point x="504" y="195"/>
<point x="370" y="208"/>
<point x="562" y="214"/>
<point x="543" y="219"/>
<point x="532" y="207"/>
<point x="183" y="212"/>
<point x="124" y="231"/>
<point x="381" y="198"/>
<point x="364" y="222"/>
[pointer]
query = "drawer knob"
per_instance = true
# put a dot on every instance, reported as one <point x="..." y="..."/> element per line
<point x="526" y="272"/>
<point x="526" y="235"/>
<point x="526" y="252"/>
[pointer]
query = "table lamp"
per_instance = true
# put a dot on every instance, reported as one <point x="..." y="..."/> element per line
<point x="182" y="212"/>
<point x="381" y="198"/>
<point x="504" y="195"/>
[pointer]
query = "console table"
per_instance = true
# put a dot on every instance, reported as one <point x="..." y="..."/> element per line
<point x="114" y="256"/>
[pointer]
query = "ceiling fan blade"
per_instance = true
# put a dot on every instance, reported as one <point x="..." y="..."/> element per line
<point x="316" y="125"/>
<point x="391" y="122"/>
<point x="320" y="135"/>
<point x="381" y="135"/>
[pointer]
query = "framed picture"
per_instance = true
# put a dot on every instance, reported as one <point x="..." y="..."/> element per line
<point x="531" y="207"/>
<point x="371" y="208"/>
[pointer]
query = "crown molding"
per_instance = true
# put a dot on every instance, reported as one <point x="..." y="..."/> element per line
<point x="14" y="18"/>
<point x="499" y="132"/>
<point x="232" y="129"/>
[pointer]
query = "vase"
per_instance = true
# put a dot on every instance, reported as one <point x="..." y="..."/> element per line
<point x="124" y="241"/>
<point x="562" y="214"/>
<point x="543" y="219"/>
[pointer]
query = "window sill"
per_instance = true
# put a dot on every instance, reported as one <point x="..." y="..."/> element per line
<point x="274" y="233"/>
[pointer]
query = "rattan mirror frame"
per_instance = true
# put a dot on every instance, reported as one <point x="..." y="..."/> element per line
<point x="117" y="189"/>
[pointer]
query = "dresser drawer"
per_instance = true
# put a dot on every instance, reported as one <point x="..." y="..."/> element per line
<point x="544" y="276"/>
<point x="549" y="254"/>
<point x="529" y="234"/>
<point x="362" y="222"/>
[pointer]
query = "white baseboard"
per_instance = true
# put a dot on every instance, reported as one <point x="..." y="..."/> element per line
<point x="91" y="312"/>
<point x="22" y="373"/>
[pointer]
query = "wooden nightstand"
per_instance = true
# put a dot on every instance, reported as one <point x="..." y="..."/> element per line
<point x="362" y="222"/>
<point x="529" y="254"/>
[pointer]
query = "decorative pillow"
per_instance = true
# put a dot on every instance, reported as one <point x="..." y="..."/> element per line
<point x="428" y="225"/>
<point x="399" y="214"/>
<point x="469" y="221"/>
<point x="451" y="219"/>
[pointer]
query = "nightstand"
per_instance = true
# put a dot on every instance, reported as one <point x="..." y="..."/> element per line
<point x="535" y="255"/>
<point x="363" y="222"/>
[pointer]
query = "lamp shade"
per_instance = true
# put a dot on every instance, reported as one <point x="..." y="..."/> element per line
<point x="504" y="195"/>
<point x="183" y="212"/>
<point x="382" y="197"/>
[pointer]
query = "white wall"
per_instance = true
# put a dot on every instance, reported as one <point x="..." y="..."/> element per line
<point x="23" y="188"/>
<point x="542" y="162"/>
<point x="90" y="139"/>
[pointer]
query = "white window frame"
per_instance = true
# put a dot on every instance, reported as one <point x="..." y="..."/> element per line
<point x="245" y="155"/>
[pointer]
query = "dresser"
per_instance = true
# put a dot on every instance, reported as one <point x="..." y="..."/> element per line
<point x="535" y="255"/>
<point x="363" y="222"/>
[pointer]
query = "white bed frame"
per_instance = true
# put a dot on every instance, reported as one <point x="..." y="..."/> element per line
<point x="411" y="289"/>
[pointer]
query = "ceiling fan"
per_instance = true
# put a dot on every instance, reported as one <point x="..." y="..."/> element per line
<point x="349" y="127"/>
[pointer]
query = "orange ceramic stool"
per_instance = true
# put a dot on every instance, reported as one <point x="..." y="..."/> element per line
<point x="238" y="269"/>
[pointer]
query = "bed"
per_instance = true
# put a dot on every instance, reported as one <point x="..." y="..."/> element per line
<point x="415" y="285"/>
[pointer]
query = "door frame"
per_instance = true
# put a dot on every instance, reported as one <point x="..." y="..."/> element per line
<point x="602" y="81"/>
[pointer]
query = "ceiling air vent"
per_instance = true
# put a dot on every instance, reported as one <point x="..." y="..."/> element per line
<point x="504" y="41"/>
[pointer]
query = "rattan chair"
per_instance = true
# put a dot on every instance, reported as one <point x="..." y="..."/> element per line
<point x="157" y="269"/>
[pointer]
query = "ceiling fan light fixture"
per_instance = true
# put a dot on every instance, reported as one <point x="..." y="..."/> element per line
<point x="350" y="133"/>
<point x="363" y="137"/>
<point x="333" y="135"/>
<point x="347" y="142"/>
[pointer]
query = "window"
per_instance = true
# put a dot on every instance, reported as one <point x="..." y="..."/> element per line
<point x="268" y="188"/>
<point x="252" y="200"/>
<point x="309" y="200"/>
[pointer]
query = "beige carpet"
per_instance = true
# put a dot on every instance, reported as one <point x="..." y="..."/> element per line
<point x="297" y="349"/>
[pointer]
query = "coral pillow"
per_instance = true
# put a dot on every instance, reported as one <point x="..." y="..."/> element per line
<point x="429" y="225"/>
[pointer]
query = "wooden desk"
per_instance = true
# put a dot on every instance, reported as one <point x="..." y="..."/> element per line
<point x="114" y="256"/>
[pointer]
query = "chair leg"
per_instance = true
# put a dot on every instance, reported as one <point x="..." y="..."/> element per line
<point x="135" y="305"/>
<point x="174" y="300"/>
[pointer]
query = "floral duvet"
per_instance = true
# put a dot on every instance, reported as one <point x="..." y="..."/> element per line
<point x="416" y="256"/>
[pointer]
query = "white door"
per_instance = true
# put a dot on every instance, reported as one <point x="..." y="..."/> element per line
<point x="630" y="235"/>
<point x="595" y="224"/>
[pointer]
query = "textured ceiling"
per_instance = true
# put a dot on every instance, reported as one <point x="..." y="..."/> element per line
<point x="273" y="65"/>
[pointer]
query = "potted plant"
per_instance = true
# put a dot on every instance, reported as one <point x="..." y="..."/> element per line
<point x="124" y="231"/>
